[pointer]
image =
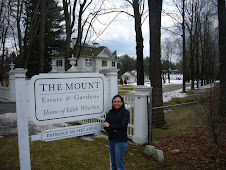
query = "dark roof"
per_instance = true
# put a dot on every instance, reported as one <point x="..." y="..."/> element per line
<point x="132" y="74"/>
<point x="91" y="51"/>
<point x="86" y="51"/>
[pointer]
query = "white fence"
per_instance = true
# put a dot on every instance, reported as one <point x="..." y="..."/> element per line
<point x="129" y="104"/>
<point x="137" y="106"/>
<point x="138" y="123"/>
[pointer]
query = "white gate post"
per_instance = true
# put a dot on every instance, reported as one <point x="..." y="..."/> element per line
<point x="112" y="75"/>
<point x="22" y="119"/>
<point x="12" y="92"/>
<point x="141" y="115"/>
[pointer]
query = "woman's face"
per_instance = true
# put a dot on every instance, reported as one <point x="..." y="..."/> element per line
<point x="117" y="103"/>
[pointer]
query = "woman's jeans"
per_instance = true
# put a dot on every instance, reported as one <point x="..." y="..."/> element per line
<point x="117" y="153"/>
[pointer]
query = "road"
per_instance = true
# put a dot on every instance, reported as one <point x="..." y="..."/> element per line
<point x="6" y="107"/>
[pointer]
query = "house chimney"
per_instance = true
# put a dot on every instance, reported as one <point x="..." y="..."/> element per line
<point x="96" y="45"/>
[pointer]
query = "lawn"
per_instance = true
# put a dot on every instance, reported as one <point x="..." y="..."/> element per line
<point x="73" y="153"/>
<point x="194" y="145"/>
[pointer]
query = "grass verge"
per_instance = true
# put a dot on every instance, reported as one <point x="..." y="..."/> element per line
<point x="79" y="154"/>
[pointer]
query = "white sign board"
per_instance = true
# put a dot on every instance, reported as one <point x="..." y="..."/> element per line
<point x="67" y="97"/>
<point x="67" y="132"/>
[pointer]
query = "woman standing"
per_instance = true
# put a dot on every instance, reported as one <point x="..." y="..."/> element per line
<point x="116" y="124"/>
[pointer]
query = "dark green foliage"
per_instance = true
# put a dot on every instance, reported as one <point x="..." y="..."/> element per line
<point x="53" y="41"/>
<point x="166" y="65"/>
<point x="126" y="63"/>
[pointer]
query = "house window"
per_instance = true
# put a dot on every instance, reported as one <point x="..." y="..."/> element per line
<point x="104" y="63"/>
<point x="113" y="64"/>
<point x="59" y="63"/>
<point x="88" y="63"/>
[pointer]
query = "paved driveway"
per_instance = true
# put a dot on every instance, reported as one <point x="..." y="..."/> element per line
<point x="7" y="108"/>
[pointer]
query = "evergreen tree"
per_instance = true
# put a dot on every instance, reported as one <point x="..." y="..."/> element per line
<point x="54" y="43"/>
<point x="126" y="63"/>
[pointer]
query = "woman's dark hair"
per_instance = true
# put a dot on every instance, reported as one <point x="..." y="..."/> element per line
<point x="123" y="105"/>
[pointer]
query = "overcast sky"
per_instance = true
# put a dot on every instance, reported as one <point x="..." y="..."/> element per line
<point x="120" y="35"/>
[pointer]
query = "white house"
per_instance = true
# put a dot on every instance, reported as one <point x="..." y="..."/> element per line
<point x="173" y="74"/>
<point x="92" y="59"/>
<point x="131" y="77"/>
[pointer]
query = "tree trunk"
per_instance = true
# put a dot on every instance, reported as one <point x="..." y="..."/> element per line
<point x="32" y="34"/>
<point x="222" y="52"/>
<point x="197" y="38"/>
<point x="41" y="35"/>
<point x="18" y="19"/>
<point x="139" y="44"/>
<point x="68" y="33"/>
<point x="184" y="48"/>
<point x="3" y="36"/>
<point x="78" y="45"/>
<point x="192" y="65"/>
<point x="155" y="8"/>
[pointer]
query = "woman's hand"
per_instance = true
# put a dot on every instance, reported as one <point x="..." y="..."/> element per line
<point x="106" y="124"/>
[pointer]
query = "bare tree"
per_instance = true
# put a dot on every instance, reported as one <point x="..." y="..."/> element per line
<point x="77" y="21"/>
<point x="71" y="17"/>
<point x="5" y="26"/>
<point x="41" y="35"/>
<point x="69" y="25"/>
<point x="138" y="13"/>
<point x="222" y="51"/>
<point x="196" y="14"/>
<point x="155" y="9"/>
<point x="30" y="33"/>
<point x="168" y="49"/>
<point x="19" y="11"/>
<point x="184" y="48"/>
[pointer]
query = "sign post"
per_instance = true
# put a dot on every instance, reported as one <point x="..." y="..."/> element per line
<point x="67" y="132"/>
<point x="57" y="98"/>
<point x="22" y="120"/>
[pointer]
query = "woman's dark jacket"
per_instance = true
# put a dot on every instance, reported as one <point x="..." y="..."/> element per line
<point x="118" y="120"/>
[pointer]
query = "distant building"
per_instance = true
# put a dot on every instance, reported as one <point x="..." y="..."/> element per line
<point x="92" y="59"/>
<point x="174" y="75"/>
<point x="131" y="77"/>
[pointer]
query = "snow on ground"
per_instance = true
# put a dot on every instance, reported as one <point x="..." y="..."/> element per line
<point x="164" y="84"/>
<point x="167" y="96"/>
<point x="8" y="125"/>
<point x="8" y="121"/>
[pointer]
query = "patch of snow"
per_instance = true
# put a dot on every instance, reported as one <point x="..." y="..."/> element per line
<point x="8" y="121"/>
<point x="172" y="82"/>
<point x="167" y="96"/>
<point x="8" y="125"/>
<point x="100" y="135"/>
<point x="87" y="139"/>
